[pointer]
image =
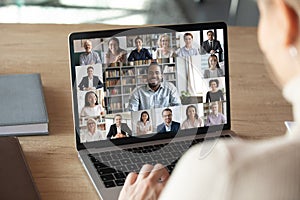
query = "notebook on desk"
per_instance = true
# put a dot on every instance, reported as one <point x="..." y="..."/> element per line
<point x="16" y="180"/>
<point x="145" y="95"/>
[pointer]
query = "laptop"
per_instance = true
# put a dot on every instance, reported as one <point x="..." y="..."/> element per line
<point x="146" y="95"/>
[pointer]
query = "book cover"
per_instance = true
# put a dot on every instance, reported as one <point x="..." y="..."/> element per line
<point x="16" y="180"/>
<point x="22" y="105"/>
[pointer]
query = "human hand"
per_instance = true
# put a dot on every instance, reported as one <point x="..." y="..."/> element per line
<point x="147" y="185"/>
<point x="118" y="58"/>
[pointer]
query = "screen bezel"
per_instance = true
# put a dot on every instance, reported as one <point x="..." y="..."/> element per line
<point x="138" y="31"/>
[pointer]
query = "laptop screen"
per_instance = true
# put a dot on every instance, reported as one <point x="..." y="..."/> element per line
<point x="149" y="83"/>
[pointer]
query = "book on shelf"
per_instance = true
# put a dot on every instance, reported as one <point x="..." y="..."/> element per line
<point x="112" y="73"/>
<point x="22" y="105"/>
<point x="16" y="179"/>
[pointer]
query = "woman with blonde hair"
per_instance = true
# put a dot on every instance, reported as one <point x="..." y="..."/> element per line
<point x="92" y="133"/>
<point x="164" y="50"/>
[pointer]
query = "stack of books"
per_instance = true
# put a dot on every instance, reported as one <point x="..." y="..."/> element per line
<point x="22" y="105"/>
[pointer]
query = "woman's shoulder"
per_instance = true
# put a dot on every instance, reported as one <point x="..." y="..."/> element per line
<point x="185" y="121"/>
<point x="99" y="106"/>
<point x="199" y="119"/>
<point x="220" y="70"/>
<point x="85" y="108"/>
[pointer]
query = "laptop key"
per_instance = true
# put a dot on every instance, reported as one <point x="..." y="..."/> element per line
<point x="107" y="177"/>
<point x="146" y="159"/>
<point x="156" y="157"/>
<point x="120" y="182"/>
<point x="122" y="168"/>
<point x="105" y="158"/>
<point x="109" y="184"/>
<point x="164" y="162"/>
<point x="115" y="163"/>
<point x="93" y="159"/>
<point x="125" y="161"/>
<point x="100" y="165"/>
<point x="167" y="149"/>
<point x="177" y="154"/>
<point x="153" y="162"/>
<point x="135" y="160"/>
<point x="125" y="155"/>
<point x="104" y="171"/>
<point x="119" y="175"/>
<point x="105" y="153"/>
<point x="132" y="167"/>
<point x="116" y="156"/>
<point x="166" y="155"/>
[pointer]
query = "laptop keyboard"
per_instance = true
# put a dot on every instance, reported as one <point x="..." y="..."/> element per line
<point x="114" y="166"/>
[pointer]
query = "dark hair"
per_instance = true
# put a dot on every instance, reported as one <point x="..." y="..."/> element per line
<point x="214" y="80"/>
<point x="138" y="38"/>
<point x="196" y="112"/>
<point x="213" y="55"/>
<point x="86" y="104"/>
<point x="114" y="39"/>
<point x="210" y="32"/>
<point x="188" y="34"/>
<point x="90" y="67"/>
<point x="166" y="109"/>
<point x="154" y="64"/>
<point x="145" y="112"/>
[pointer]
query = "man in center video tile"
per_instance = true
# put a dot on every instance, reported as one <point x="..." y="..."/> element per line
<point x="156" y="94"/>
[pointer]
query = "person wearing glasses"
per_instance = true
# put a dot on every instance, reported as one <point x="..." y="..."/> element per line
<point x="215" y="117"/>
<point x="89" y="57"/>
<point x="168" y="125"/>
<point x="92" y="133"/>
